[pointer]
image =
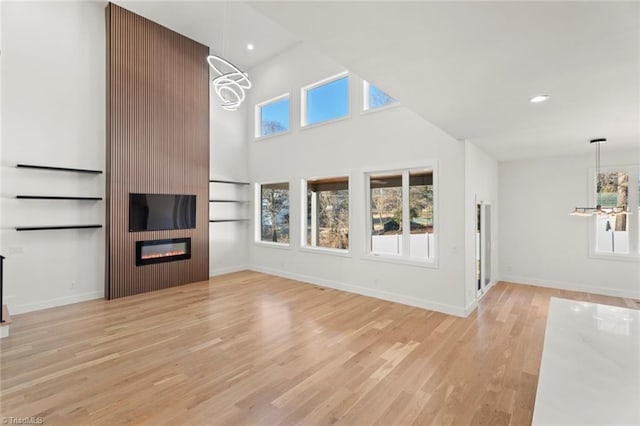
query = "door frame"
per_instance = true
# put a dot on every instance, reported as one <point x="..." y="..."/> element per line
<point x="484" y="286"/>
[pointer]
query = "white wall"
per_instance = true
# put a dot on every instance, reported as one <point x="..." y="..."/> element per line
<point x="228" y="241"/>
<point x="52" y="80"/>
<point x="540" y="243"/>
<point x="53" y="113"/>
<point x="1" y="131"/>
<point x="481" y="185"/>
<point x="392" y="138"/>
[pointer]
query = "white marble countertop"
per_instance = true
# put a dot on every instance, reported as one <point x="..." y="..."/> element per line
<point x="590" y="370"/>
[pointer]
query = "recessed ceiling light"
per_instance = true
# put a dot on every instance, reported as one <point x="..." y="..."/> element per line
<point x="250" y="46"/>
<point x="539" y="98"/>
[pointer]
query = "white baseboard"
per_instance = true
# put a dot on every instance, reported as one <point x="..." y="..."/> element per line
<point x="562" y="285"/>
<point x="52" y="303"/>
<point x="364" y="291"/>
<point x="228" y="270"/>
<point x="66" y="300"/>
<point x="470" y="308"/>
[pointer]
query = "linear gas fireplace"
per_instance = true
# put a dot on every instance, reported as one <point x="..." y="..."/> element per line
<point x="159" y="251"/>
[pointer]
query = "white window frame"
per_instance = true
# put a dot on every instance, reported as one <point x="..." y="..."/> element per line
<point x="366" y="109"/>
<point x="258" y="215"/>
<point x="404" y="258"/>
<point x="303" y="214"/>
<point x="307" y="88"/>
<point x="633" y="221"/>
<point x="258" y="117"/>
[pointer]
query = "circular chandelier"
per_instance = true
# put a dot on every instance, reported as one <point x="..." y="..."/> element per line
<point x="230" y="84"/>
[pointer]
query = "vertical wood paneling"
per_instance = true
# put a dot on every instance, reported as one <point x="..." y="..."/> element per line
<point x="157" y="142"/>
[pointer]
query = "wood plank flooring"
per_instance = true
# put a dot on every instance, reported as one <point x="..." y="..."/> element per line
<point x="249" y="348"/>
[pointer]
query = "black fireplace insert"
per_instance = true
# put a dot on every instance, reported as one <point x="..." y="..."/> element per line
<point x="160" y="251"/>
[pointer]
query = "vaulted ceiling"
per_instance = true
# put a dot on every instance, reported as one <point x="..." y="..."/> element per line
<point x="471" y="67"/>
<point x="467" y="67"/>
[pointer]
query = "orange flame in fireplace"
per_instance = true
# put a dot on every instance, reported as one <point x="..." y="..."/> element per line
<point x="167" y="254"/>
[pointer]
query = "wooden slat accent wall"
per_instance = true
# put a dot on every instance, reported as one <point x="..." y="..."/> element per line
<point x="157" y="142"/>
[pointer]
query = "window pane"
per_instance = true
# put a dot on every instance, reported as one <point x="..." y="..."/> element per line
<point x="274" y="199"/>
<point x="378" y="98"/>
<point x="612" y="234"/>
<point x="421" y="214"/>
<point x="328" y="101"/>
<point x="386" y="214"/>
<point x="328" y="213"/>
<point x="274" y="117"/>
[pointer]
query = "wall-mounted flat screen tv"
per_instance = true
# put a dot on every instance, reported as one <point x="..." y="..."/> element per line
<point x="160" y="212"/>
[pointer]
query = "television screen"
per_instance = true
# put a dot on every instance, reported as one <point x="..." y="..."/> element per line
<point x="160" y="212"/>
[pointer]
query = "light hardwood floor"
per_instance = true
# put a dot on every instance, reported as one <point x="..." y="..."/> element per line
<point x="249" y="348"/>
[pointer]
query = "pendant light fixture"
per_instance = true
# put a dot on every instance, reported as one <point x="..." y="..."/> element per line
<point x="598" y="210"/>
<point x="230" y="82"/>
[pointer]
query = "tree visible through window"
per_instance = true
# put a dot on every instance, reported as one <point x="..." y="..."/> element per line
<point x="612" y="231"/>
<point x="386" y="208"/>
<point x="421" y="213"/>
<point x="390" y="212"/>
<point x="272" y="117"/>
<point x="274" y="212"/>
<point x="328" y="213"/>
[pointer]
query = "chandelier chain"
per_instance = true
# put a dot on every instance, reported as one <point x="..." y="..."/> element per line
<point x="598" y="185"/>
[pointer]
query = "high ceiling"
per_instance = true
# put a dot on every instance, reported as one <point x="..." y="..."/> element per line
<point x="467" y="67"/>
<point x="226" y="27"/>
<point x="470" y="67"/>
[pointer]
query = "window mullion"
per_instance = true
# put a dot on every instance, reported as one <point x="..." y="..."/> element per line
<point x="314" y="218"/>
<point x="406" y="216"/>
<point x="633" y="221"/>
<point x="365" y="95"/>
